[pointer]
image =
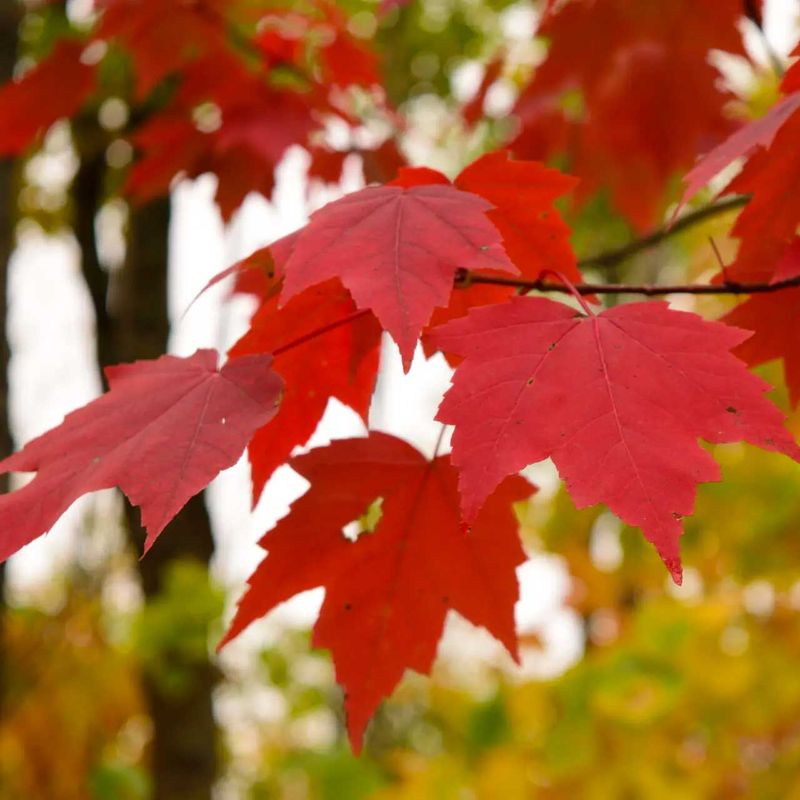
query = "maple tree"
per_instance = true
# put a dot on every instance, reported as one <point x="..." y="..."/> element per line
<point x="619" y="398"/>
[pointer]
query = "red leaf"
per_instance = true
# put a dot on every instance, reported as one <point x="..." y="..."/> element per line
<point x="535" y="236"/>
<point x="341" y="363"/>
<point x="759" y="133"/>
<point x="161" y="433"/>
<point x="472" y="112"/>
<point x="791" y="80"/>
<point x="775" y="320"/>
<point x="618" y="402"/>
<point x="162" y="36"/>
<point x="55" y="88"/>
<point x="409" y="244"/>
<point x="257" y="125"/>
<point x="614" y="110"/>
<point x="523" y="194"/>
<point x="387" y="594"/>
<point x="768" y="224"/>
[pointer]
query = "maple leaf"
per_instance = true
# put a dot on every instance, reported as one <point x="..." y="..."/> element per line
<point x="758" y="133"/>
<point x="535" y="237"/>
<point x="409" y="243"/>
<point x="614" y="109"/>
<point x="161" y="433"/>
<point x="257" y="125"/>
<point x="55" y="88"/>
<point x="617" y="400"/>
<point x="387" y="593"/>
<point x="522" y="194"/>
<point x="775" y="322"/>
<point x="341" y="363"/>
<point x="791" y="80"/>
<point x="768" y="224"/>
<point x="163" y="36"/>
<point x="378" y="164"/>
<point x="472" y="112"/>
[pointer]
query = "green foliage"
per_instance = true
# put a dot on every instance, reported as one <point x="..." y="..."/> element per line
<point x="172" y="632"/>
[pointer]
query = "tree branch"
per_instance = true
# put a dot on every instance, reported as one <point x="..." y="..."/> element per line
<point x="610" y="258"/>
<point x="465" y="279"/>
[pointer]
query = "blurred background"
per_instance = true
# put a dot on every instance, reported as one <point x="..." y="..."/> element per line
<point x="110" y="689"/>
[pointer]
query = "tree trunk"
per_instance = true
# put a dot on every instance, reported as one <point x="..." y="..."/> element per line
<point x="133" y="323"/>
<point x="184" y="744"/>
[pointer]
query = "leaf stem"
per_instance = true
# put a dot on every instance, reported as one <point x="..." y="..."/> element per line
<point x="439" y="441"/>
<point x="570" y="287"/>
<point x="350" y="318"/>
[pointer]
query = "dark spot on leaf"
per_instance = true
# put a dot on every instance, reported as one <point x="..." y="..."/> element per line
<point x="348" y="607"/>
<point x="731" y="410"/>
<point x="552" y="346"/>
<point x="677" y="515"/>
<point x="445" y="598"/>
<point x="530" y="381"/>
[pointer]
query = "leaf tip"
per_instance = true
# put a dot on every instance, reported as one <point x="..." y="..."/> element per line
<point x="675" y="570"/>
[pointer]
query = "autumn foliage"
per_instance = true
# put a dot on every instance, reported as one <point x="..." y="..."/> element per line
<point x="626" y="100"/>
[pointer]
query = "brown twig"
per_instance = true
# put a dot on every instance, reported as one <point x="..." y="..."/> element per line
<point x="611" y="258"/>
<point x="473" y="278"/>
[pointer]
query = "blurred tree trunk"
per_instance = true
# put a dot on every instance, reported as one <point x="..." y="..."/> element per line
<point x="185" y="743"/>
<point x="133" y="323"/>
<point x="9" y="21"/>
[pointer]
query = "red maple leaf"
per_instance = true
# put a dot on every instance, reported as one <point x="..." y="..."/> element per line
<point x="758" y="133"/>
<point x="163" y="36"/>
<point x="472" y="112"/>
<point x="55" y="88"/>
<point x="161" y="433"/>
<point x="768" y="224"/>
<point x="522" y="194"/>
<point x="387" y="594"/>
<point x="409" y="244"/>
<point x="287" y="35"/>
<point x="535" y="237"/>
<point x="775" y="322"/>
<point x="615" y="109"/>
<point x="378" y="164"/>
<point x="617" y="400"/>
<point x="791" y="81"/>
<point x="341" y="363"/>
<point x="257" y="124"/>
